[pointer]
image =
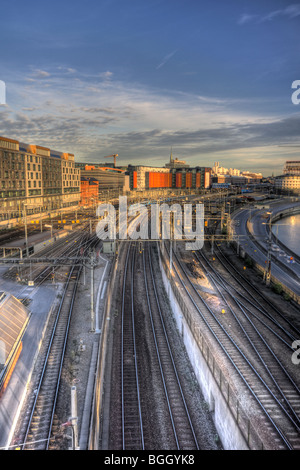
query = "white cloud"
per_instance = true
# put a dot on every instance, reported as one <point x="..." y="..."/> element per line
<point x="245" y="18"/>
<point x="92" y="118"/>
<point x="166" y="59"/>
<point x="290" y="12"/>
<point x="41" y="73"/>
<point x="106" y="75"/>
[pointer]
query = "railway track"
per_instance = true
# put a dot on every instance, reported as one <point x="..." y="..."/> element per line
<point x="181" y="423"/>
<point x="266" y="380"/>
<point x="36" y="428"/>
<point x="258" y="298"/>
<point x="147" y="361"/>
<point x="132" y="422"/>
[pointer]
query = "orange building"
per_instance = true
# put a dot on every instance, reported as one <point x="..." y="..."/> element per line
<point x="89" y="188"/>
<point x="188" y="180"/>
<point x="158" y="180"/>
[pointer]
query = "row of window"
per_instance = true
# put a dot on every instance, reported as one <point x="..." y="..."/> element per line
<point x="37" y="175"/>
<point x="32" y="158"/>
<point x="33" y="167"/>
<point x="12" y="174"/>
<point x="8" y="194"/>
<point x="12" y="184"/>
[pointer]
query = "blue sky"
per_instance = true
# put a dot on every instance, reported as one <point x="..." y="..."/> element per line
<point x="211" y="79"/>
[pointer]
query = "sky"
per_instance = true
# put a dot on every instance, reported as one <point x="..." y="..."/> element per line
<point x="210" y="79"/>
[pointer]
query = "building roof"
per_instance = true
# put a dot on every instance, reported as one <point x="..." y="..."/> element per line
<point x="91" y="180"/>
<point x="14" y="317"/>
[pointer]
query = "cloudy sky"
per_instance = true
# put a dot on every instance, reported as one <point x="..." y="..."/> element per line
<point x="211" y="79"/>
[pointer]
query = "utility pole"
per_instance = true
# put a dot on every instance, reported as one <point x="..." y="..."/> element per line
<point x="93" y="263"/>
<point x="74" y="417"/>
<point x="267" y="273"/>
<point x="171" y="244"/>
<point x="26" y="234"/>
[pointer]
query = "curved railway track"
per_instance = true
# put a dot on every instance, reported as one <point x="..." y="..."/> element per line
<point x="36" y="428"/>
<point x="256" y="296"/>
<point x="261" y="371"/>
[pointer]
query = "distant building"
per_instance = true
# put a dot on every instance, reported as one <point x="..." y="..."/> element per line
<point x="289" y="182"/>
<point x="242" y="180"/>
<point x="111" y="181"/>
<point x="218" y="170"/>
<point x="176" y="163"/>
<point x="234" y="172"/>
<point x="292" y="168"/>
<point x="254" y="177"/>
<point x="89" y="189"/>
<point x="143" y="177"/>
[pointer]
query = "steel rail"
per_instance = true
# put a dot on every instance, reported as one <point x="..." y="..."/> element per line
<point x="132" y="334"/>
<point x="224" y="282"/>
<point x="61" y="352"/>
<point x="295" y="419"/>
<point x="242" y="280"/>
<point x="279" y="431"/>
<point x="165" y="335"/>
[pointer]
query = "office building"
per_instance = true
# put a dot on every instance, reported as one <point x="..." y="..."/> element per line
<point x="35" y="179"/>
